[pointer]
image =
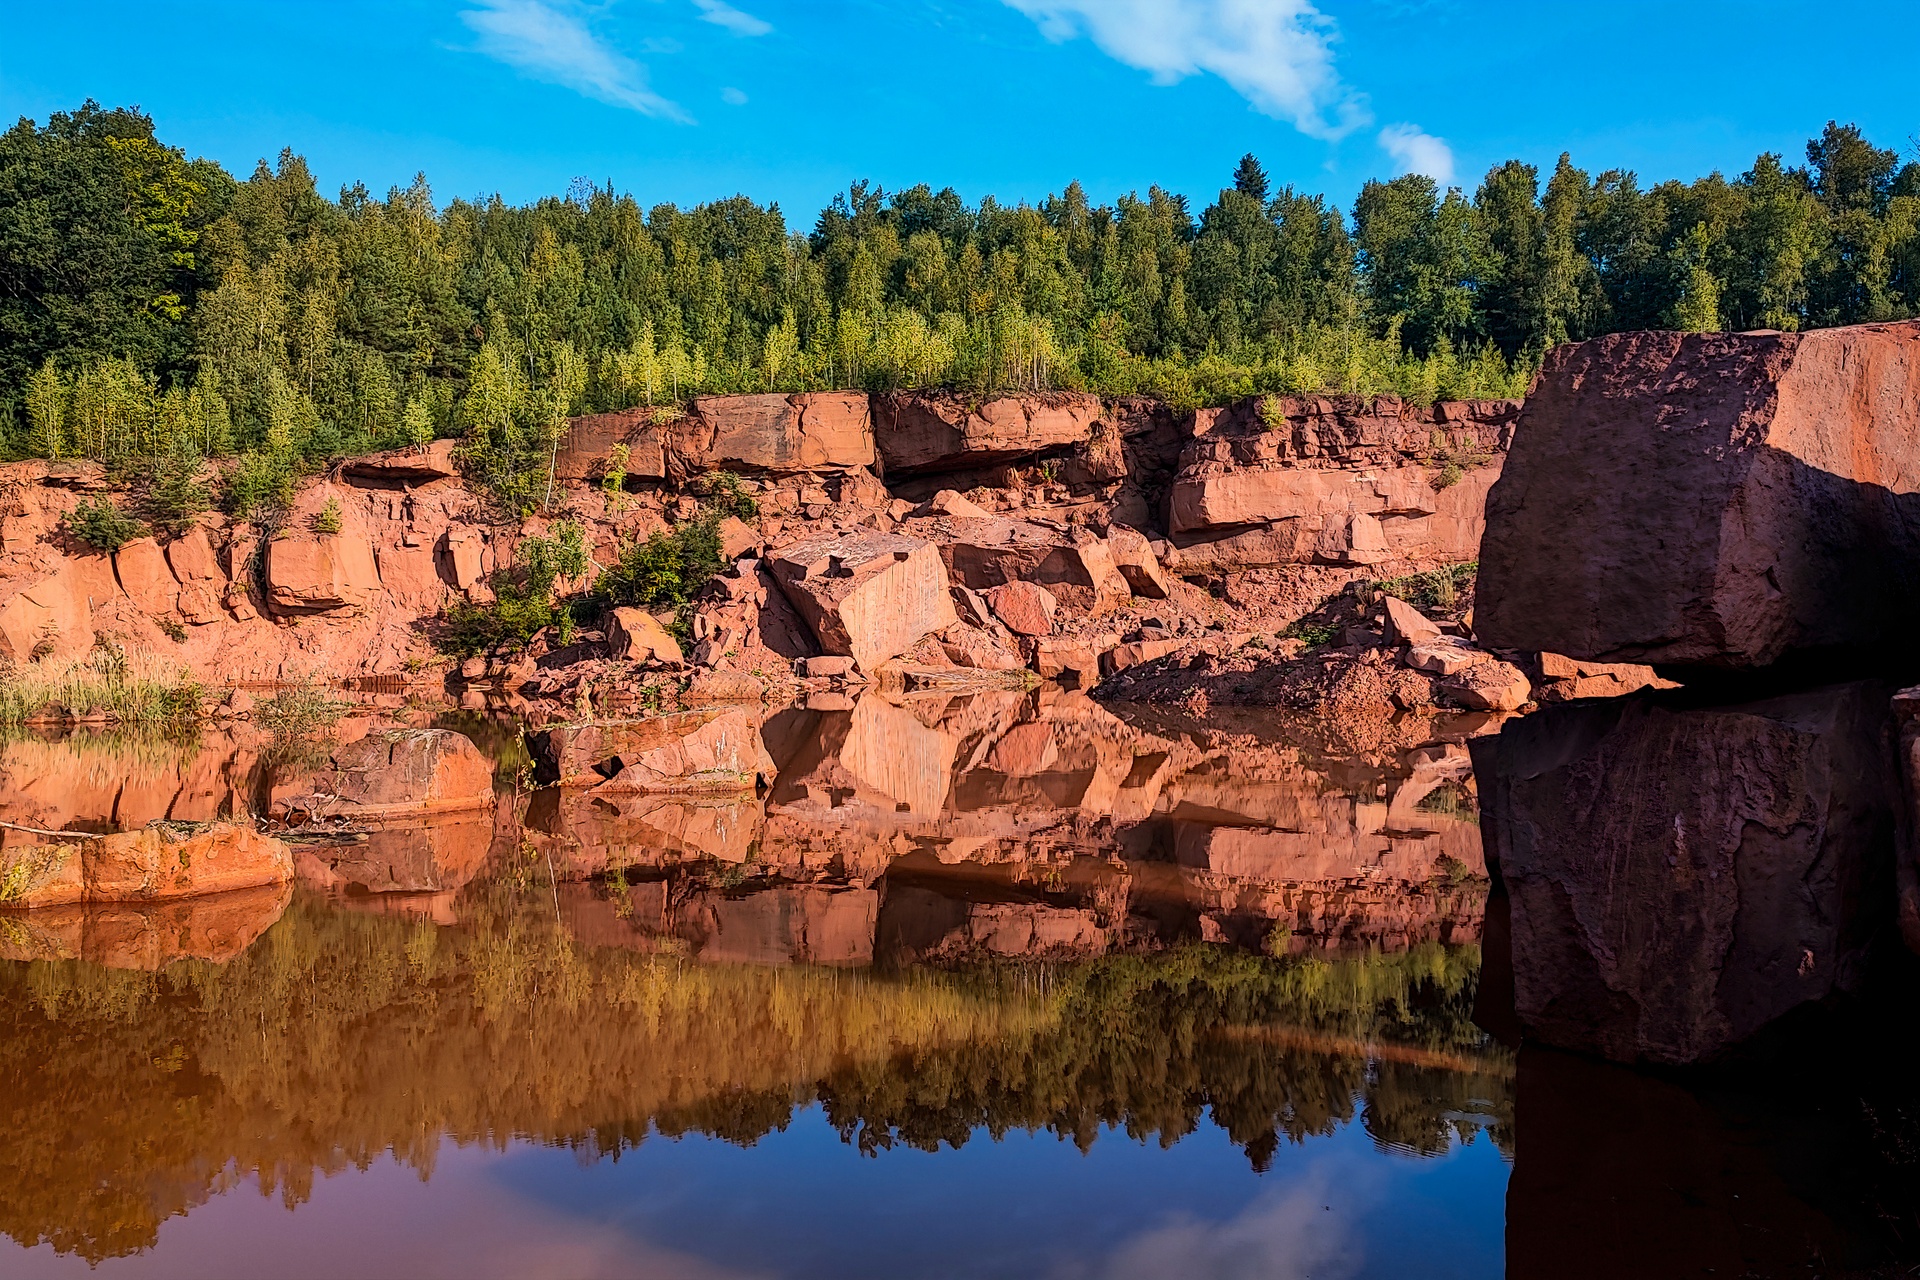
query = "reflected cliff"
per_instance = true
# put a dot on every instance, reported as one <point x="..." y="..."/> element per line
<point x="342" y="1034"/>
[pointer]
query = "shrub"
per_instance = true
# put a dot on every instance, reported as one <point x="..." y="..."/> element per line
<point x="258" y="480"/>
<point x="176" y="495"/>
<point x="725" y="496"/>
<point x="328" y="519"/>
<point x="1434" y="589"/>
<point x="1273" y="413"/>
<point x="103" y="526"/>
<point x="1454" y="455"/>
<point x="523" y="596"/>
<point x="666" y="569"/>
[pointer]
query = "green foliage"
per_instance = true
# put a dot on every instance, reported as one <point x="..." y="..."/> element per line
<point x="1312" y="634"/>
<point x="523" y="602"/>
<point x="1439" y="588"/>
<point x="726" y="496"/>
<point x="666" y="569"/>
<point x="103" y="526"/>
<point x="327" y="519"/>
<point x="298" y="711"/>
<point x="176" y="494"/>
<point x="108" y="680"/>
<point x="1454" y="454"/>
<point x="275" y="326"/>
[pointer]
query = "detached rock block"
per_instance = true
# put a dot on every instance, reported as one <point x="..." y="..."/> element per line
<point x="635" y="635"/>
<point x="1027" y="608"/>
<point x="1491" y="685"/>
<point x="715" y="749"/>
<point x="1713" y="500"/>
<point x="1682" y="877"/>
<point x="869" y="596"/>
<point x="400" y="772"/>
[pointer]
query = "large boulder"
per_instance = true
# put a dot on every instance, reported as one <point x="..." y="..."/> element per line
<point x="1715" y="500"/>
<point x="1073" y="563"/>
<point x="1681" y="877"/>
<point x="813" y="431"/>
<point x="321" y="573"/>
<point x="870" y="596"/>
<point x="401" y="771"/>
<point x="918" y="432"/>
<point x="715" y="749"/>
<point x="407" y="467"/>
<point x="162" y="860"/>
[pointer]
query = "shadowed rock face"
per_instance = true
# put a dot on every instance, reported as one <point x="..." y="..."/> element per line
<point x="1681" y="878"/>
<point x="1713" y="500"/>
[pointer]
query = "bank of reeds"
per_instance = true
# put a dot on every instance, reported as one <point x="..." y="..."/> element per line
<point x="108" y="685"/>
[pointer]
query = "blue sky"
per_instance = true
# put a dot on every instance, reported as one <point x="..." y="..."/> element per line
<point x="789" y="100"/>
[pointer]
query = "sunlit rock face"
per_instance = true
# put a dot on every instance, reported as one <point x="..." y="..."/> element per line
<point x="1711" y="500"/>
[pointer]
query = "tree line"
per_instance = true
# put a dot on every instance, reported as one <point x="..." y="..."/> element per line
<point x="156" y="307"/>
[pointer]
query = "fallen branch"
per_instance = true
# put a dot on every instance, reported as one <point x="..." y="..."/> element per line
<point x="57" y="835"/>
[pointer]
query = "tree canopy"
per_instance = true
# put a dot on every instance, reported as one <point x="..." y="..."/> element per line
<point x="150" y="302"/>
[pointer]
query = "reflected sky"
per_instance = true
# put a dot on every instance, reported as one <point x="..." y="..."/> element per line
<point x="801" y="1203"/>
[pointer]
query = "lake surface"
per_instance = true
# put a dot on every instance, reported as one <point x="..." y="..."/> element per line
<point x="982" y="987"/>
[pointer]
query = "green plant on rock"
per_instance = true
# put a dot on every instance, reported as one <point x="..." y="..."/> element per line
<point x="726" y="496"/>
<point x="176" y="495"/>
<point x="1273" y="413"/>
<point x="1439" y="588"/>
<point x="327" y="520"/>
<point x="1454" y="454"/>
<point x="523" y="602"/>
<point x="614" y="483"/>
<point x="103" y="526"/>
<point x="665" y="569"/>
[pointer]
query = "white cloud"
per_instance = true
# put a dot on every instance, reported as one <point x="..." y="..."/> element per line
<point x="733" y="97"/>
<point x="1284" y="1233"/>
<point x="1415" y="151"/>
<point x="1277" y="54"/>
<point x="542" y="41"/>
<point x="722" y="14"/>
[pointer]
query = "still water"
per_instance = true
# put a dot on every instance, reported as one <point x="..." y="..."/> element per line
<point x="982" y="987"/>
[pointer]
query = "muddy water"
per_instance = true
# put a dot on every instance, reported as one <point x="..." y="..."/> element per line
<point x="988" y="986"/>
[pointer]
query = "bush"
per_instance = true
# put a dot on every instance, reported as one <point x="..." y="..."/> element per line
<point x="176" y="495"/>
<point x="1435" y="589"/>
<point x="523" y="596"/>
<point x="328" y="519"/>
<point x="725" y="496"/>
<point x="259" y="480"/>
<point x="103" y="526"/>
<point x="666" y="569"/>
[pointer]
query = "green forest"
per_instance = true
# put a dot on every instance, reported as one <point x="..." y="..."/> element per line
<point x="156" y="310"/>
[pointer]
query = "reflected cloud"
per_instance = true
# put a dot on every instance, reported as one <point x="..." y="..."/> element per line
<point x="1283" y="1234"/>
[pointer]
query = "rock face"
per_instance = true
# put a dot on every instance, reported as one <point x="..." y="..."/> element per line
<point x="918" y="432"/>
<point x="819" y="430"/>
<point x="715" y="749"/>
<point x="401" y="772"/>
<point x="1335" y="481"/>
<point x="1073" y="564"/>
<point x="869" y="596"/>
<point x="1682" y="877"/>
<point x="1713" y="500"/>
<point x="160" y="861"/>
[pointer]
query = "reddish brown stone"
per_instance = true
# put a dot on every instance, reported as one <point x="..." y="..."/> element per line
<point x="1721" y="500"/>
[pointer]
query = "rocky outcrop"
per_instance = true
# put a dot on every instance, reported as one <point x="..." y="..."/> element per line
<point x="716" y="749"/>
<point x="813" y="431"/>
<point x="1683" y="877"/>
<point x="397" y="772"/>
<point x="867" y="596"/>
<point x="159" y="861"/>
<point x="922" y="432"/>
<point x="1335" y="481"/>
<point x="1711" y="500"/>
<point x="1072" y="562"/>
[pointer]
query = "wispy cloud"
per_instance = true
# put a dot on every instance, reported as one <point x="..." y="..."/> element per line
<point x="1277" y="54"/>
<point x="722" y="14"/>
<point x="733" y="97"/>
<point x="546" y="42"/>
<point x="1416" y="151"/>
